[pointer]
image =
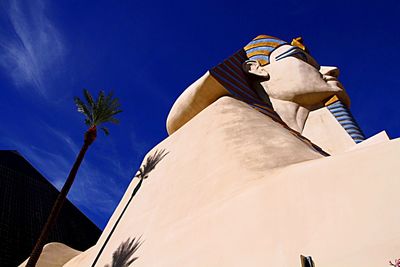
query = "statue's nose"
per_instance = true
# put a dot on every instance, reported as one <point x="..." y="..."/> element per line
<point x="329" y="71"/>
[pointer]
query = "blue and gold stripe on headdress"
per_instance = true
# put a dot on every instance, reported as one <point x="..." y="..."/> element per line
<point x="345" y="118"/>
<point x="261" y="47"/>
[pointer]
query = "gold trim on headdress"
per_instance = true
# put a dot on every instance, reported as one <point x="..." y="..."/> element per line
<point x="299" y="43"/>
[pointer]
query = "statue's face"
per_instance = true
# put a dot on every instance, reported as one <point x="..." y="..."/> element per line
<point x="293" y="75"/>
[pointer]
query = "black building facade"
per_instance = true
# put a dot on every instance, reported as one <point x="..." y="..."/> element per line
<point x="26" y="198"/>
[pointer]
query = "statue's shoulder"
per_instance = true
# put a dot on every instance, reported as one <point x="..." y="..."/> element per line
<point x="198" y="96"/>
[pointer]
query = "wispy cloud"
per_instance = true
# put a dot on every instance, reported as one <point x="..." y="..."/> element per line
<point x="31" y="47"/>
<point x="72" y="146"/>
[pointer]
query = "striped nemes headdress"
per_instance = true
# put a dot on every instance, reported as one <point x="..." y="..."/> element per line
<point x="230" y="74"/>
<point x="261" y="47"/>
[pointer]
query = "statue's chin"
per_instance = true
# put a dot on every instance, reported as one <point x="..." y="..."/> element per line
<point x="317" y="98"/>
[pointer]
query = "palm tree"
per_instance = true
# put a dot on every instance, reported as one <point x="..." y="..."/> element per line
<point x="97" y="112"/>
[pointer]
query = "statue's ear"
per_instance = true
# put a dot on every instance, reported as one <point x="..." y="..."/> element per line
<point x="254" y="67"/>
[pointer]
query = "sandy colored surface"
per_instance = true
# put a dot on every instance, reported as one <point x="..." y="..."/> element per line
<point x="193" y="100"/>
<point x="324" y="130"/>
<point x="54" y="255"/>
<point x="236" y="189"/>
<point x="379" y="138"/>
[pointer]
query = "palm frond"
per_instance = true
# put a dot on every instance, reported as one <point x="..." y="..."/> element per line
<point x="100" y="110"/>
<point x="105" y="130"/>
<point x="151" y="163"/>
<point x="82" y="108"/>
<point x="88" y="122"/>
<point x="112" y="120"/>
<point x="89" y="97"/>
<point x="99" y="107"/>
<point x="112" y="108"/>
<point x="107" y="108"/>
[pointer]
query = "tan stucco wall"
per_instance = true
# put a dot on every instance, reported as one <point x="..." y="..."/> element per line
<point x="324" y="130"/>
<point x="54" y="255"/>
<point x="237" y="189"/>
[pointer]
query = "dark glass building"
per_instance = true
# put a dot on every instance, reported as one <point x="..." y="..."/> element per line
<point x="26" y="198"/>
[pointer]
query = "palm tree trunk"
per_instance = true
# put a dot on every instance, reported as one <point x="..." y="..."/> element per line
<point x="37" y="250"/>
<point x="137" y="187"/>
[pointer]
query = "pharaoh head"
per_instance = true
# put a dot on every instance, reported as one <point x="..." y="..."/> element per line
<point x="261" y="74"/>
<point x="288" y="72"/>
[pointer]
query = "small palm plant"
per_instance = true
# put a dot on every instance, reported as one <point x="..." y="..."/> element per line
<point x="97" y="112"/>
<point x="143" y="173"/>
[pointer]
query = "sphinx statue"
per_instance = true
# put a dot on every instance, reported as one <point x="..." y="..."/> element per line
<point x="286" y="84"/>
<point x="265" y="163"/>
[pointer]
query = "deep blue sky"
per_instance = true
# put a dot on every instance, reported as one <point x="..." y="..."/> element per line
<point x="148" y="52"/>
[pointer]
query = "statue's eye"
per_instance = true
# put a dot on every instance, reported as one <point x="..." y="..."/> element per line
<point x="297" y="53"/>
<point x="300" y="55"/>
<point x="293" y="53"/>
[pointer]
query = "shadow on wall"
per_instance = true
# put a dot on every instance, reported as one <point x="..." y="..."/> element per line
<point x="122" y="257"/>
<point x="143" y="173"/>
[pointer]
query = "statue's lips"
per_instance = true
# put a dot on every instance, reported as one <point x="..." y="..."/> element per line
<point x="330" y="78"/>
